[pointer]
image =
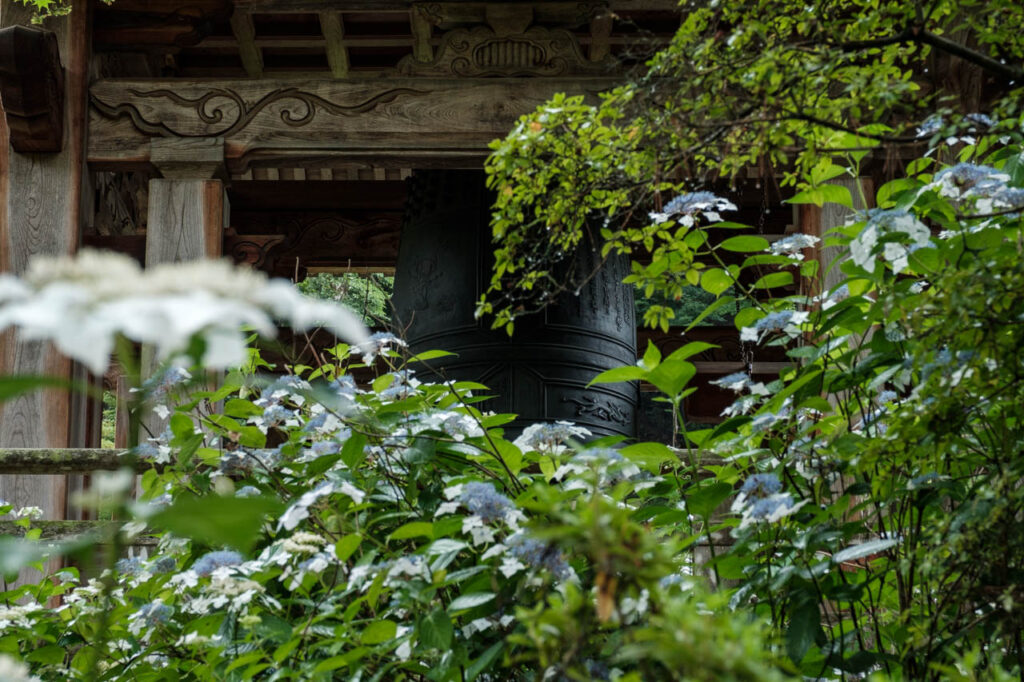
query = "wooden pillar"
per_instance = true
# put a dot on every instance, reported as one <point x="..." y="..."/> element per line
<point x="41" y="209"/>
<point x="188" y="211"/>
<point x="187" y="206"/>
<point x="818" y="221"/>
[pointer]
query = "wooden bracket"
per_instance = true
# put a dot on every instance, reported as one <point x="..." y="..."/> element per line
<point x="32" y="89"/>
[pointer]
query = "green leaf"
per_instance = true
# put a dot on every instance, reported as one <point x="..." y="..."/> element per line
<point x="747" y="317"/>
<point x="347" y="546"/>
<point x="837" y="194"/>
<point x="435" y="630"/>
<point x="705" y="500"/>
<point x="650" y="456"/>
<point x="431" y="355"/>
<point x="774" y="279"/>
<point x="48" y="655"/>
<point x="652" y="356"/>
<point x="618" y="374"/>
<point x="481" y="664"/>
<point x="715" y="281"/>
<point x="470" y="601"/>
<point x="710" y="310"/>
<point x="862" y="550"/>
<point x="352" y="453"/>
<point x="379" y="631"/>
<point x="671" y="376"/>
<point x="215" y="521"/>
<point x="342" y="661"/>
<point x="414" y="529"/>
<point x="745" y="243"/>
<point x="804" y="624"/>
<point x="689" y="350"/>
<point x="446" y="545"/>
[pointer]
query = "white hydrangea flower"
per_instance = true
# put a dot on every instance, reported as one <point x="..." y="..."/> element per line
<point x="82" y="303"/>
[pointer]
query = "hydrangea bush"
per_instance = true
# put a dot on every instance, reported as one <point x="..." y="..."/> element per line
<point x="314" y="528"/>
<point x="858" y="516"/>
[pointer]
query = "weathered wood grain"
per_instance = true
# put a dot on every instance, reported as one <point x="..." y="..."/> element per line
<point x="185" y="220"/>
<point x="833" y="215"/>
<point x="41" y="201"/>
<point x="401" y="121"/>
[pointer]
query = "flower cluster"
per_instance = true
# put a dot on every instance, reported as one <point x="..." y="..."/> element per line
<point x="549" y="437"/>
<point x="785" y="321"/>
<point x="881" y="226"/>
<point x="761" y="500"/>
<point x="685" y="207"/>
<point x="83" y="303"/>
<point x="793" y="245"/>
<point x="484" y="501"/>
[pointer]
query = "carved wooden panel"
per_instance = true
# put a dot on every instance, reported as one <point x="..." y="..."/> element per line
<point x="480" y="51"/>
<point x="406" y="120"/>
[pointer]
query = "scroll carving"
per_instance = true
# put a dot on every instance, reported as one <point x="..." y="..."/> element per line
<point x="603" y="410"/>
<point x="32" y="89"/>
<point x="481" y="51"/>
<point x="222" y="112"/>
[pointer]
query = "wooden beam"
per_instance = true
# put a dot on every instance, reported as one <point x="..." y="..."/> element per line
<point x="245" y="34"/>
<point x="68" y="460"/>
<point x="67" y="530"/>
<point x="402" y="123"/>
<point x="337" y="53"/>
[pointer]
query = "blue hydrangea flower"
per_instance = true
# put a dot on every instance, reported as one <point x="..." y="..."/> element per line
<point x="129" y="566"/>
<point x="211" y="561"/>
<point x="155" y="613"/>
<point x="378" y="343"/>
<point x="736" y="381"/>
<point x="146" y="451"/>
<point x="980" y="119"/>
<point x="767" y="507"/>
<point x="761" y="485"/>
<point x="160" y="386"/>
<point x="247" y="491"/>
<point x="345" y="385"/>
<point x="691" y="202"/>
<point x="483" y="500"/>
<point x="326" y="447"/>
<point x="539" y="554"/>
<point x="165" y="564"/>
<point x="930" y="126"/>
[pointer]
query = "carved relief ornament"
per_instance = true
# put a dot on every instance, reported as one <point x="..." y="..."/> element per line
<point x="222" y="112"/>
<point x="482" y="52"/>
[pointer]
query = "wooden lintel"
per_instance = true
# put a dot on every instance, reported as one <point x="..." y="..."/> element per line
<point x="245" y="33"/>
<point x="440" y="121"/>
<point x="296" y="6"/>
<point x="32" y="89"/>
<point x="337" y="53"/>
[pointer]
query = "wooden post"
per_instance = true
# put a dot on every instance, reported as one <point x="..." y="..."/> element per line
<point x="818" y="221"/>
<point x="41" y="201"/>
<point x="188" y="211"/>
